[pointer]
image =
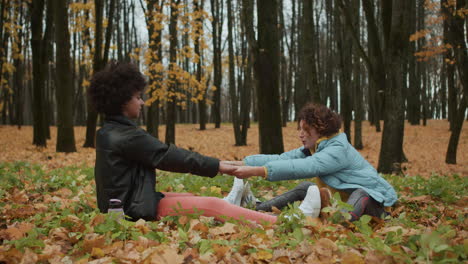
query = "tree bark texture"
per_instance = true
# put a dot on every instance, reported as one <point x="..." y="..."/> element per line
<point x="64" y="89"/>
<point x="267" y="72"/>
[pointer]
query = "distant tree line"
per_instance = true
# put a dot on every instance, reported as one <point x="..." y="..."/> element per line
<point x="214" y="61"/>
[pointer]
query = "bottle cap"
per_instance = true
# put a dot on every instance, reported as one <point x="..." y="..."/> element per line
<point x="115" y="203"/>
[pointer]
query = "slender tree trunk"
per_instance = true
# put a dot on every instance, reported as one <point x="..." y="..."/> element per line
<point x="198" y="5"/>
<point x="310" y="51"/>
<point x="291" y="67"/>
<point x="374" y="59"/>
<point x="4" y="35"/>
<point x="91" y="121"/>
<point x="39" y="137"/>
<point x="249" y="81"/>
<point x="99" y="62"/>
<point x="171" y="104"/>
<point x="64" y="88"/>
<point x="232" y="80"/>
<point x="358" y="99"/>
<point x="155" y="36"/>
<point x="345" y="48"/>
<point x="18" y="100"/>
<point x="267" y="72"/>
<point x="414" y="102"/>
<point x="217" y="65"/>
<point x="301" y="94"/>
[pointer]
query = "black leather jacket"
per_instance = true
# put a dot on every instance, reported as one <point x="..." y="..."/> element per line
<point x="126" y="159"/>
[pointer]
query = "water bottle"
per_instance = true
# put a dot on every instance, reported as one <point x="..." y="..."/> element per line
<point x="116" y="209"/>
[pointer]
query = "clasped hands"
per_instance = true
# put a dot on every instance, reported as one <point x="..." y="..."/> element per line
<point x="238" y="169"/>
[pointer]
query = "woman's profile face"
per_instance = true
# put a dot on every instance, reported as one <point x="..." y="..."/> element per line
<point x="308" y="135"/>
<point x="133" y="107"/>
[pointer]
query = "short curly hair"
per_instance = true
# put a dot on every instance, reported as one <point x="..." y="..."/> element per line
<point x="323" y="119"/>
<point x="113" y="87"/>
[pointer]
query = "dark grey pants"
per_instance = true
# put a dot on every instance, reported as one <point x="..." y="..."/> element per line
<point x="364" y="204"/>
<point x="296" y="194"/>
<point x="359" y="199"/>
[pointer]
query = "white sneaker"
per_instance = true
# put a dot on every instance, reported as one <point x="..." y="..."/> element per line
<point x="248" y="198"/>
<point x="235" y="195"/>
<point x="311" y="204"/>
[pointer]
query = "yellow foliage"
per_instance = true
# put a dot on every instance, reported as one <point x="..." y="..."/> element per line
<point x="85" y="83"/>
<point x="8" y="67"/>
<point x="419" y="34"/>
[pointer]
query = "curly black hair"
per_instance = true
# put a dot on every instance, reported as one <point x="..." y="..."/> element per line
<point x="323" y="119"/>
<point x="113" y="87"/>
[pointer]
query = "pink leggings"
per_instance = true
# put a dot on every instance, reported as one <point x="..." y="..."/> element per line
<point x="210" y="206"/>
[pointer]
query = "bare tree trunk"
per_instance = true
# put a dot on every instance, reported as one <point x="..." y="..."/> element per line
<point x="291" y="67"/>
<point x="358" y="99"/>
<point x="18" y="76"/>
<point x="414" y="101"/>
<point x="249" y="81"/>
<point x="64" y="88"/>
<point x="153" y="7"/>
<point x="91" y="121"/>
<point x="171" y="105"/>
<point x="391" y="152"/>
<point x="345" y="48"/>
<point x="39" y="137"/>
<point x="199" y="25"/>
<point x="217" y="24"/>
<point x="267" y="72"/>
<point x="232" y="81"/>
<point x="457" y="38"/>
<point x="99" y="62"/>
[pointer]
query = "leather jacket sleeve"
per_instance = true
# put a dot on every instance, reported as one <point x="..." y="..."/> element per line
<point x="149" y="151"/>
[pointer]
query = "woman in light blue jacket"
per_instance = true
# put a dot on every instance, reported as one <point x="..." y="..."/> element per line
<point x="327" y="155"/>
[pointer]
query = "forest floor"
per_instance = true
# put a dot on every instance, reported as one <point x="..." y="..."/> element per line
<point x="424" y="146"/>
<point x="48" y="208"/>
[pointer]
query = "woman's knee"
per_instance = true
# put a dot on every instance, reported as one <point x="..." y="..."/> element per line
<point x="359" y="193"/>
<point x="303" y="186"/>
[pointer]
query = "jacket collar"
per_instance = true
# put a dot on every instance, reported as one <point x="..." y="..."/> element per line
<point x="121" y="120"/>
<point x="309" y="152"/>
<point x="323" y="139"/>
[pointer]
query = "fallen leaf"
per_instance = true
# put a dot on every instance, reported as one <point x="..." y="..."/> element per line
<point x="165" y="254"/>
<point x="376" y="257"/>
<point x="421" y="198"/>
<point x="196" y="225"/>
<point x="263" y="255"/>
<point x="220" y="250"/>
<point x="29" y="257"/>
<point x="16" y="231"/>
<point x="97" y="252"/>
<point x="92" y="240"/>
<point x="325" y="248"/>
<point x="227" y="228"/>
<point x="352" y="257"/>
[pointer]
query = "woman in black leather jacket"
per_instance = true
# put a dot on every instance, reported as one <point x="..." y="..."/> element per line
<point x="127" y="156"/>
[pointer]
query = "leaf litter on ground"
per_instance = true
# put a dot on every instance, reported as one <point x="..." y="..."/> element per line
<point x="48" y="215"/>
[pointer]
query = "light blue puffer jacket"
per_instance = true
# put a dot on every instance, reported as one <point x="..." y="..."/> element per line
<point x="335" y="161"/>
